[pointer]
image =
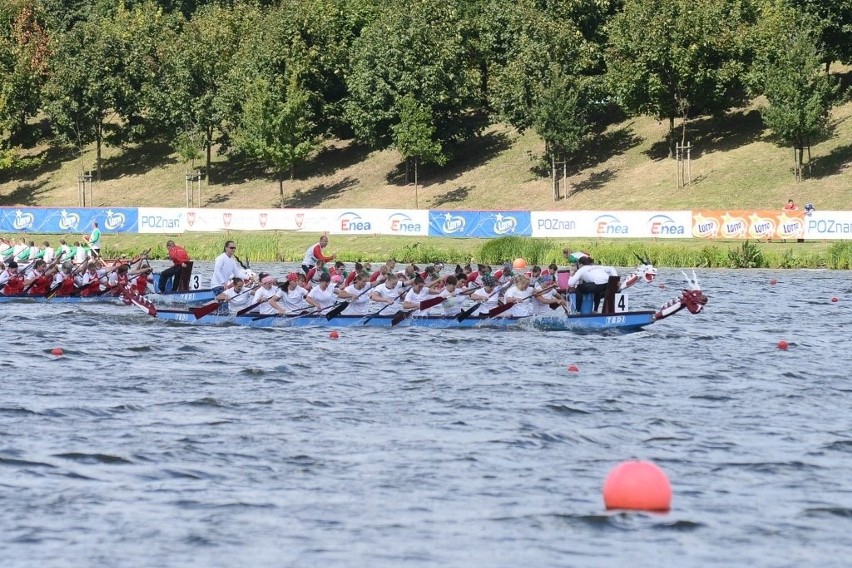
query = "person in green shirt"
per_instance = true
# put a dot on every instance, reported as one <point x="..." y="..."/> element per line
<point x="94" y="240"/>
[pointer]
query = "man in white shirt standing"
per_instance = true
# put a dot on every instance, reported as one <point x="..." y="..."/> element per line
<point x="225" y="268"/>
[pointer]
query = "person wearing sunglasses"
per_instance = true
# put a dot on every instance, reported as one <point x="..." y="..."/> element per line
<point x="225" y="269"/>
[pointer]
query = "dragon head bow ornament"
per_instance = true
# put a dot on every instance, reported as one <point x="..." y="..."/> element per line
<point x="645" y="272"/>
<point x="692" y="298"/>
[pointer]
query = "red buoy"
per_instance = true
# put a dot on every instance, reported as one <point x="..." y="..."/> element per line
<point x="57" y="351"/>
<point x="834" y="299"/>
<point x="334" y="335"/>
<point x="783" y="345"/>
<point x="773" y="282"/>
<point x="572" y="368"/>
<point x="637" y="485"/>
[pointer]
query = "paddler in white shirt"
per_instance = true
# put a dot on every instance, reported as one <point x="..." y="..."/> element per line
<point x="358" y="295"/>
<point x="519" y="295"/>
<point x="487" y="295"/>
<point x="387" y="293"/>
<point x="455" y="297"/>
<point x="235" y="298"/>
<point x="323" y="295"/>
<point x="415" y="295"/>
<point x="267" y="296"/>
<point x="546" y="295"/>
<point x="292" y="295"/>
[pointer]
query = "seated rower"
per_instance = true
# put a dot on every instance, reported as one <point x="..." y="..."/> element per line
<point x="235" y="298"/>
<point x="455" y="295"/>
<point x="519" y="294"/>
<point x="487" y="295"/>
<point x="358" y="295"/>
<point x="11" y="282"/>
<point x="291" y="299"/>
<point x="323" y="295"/>
<point x="415" y="295"/>
<point x="387" y="293"/>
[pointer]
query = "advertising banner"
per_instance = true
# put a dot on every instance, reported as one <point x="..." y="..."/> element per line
<point x="52" y="220"/>
<point x="748" y="224"/>
<point x="612" y="224"/>
<point x="480" y="224"/>
<point x="161" y="220"/>
<point x="833" y="225"/>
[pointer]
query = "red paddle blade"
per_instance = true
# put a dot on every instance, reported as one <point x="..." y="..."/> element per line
<point x="137" y="300"/>
<point x="400" y="315"/>
<point x="500" y="309"/>
<point x="431" y="302"/>
<point x="205" y="310"/>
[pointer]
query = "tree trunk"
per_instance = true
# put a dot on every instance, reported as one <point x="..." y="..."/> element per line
<point x="416" y="198"/>
<point x="565" y="175"/>
<point x="671" y="137"/>
<point x="407" y="172"/>
<point x="98" y="143"/>
<point x="281" y="189"/>
<point x="554" y="182"/>
<point x="208" y="143"/>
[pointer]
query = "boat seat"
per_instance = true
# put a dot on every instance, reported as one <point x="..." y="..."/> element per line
<point x="588" y="302"/>
<point x="185" y="275"/>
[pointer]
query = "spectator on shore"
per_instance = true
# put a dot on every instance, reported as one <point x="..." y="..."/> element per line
<point x="790" y="206"/>
<point x="809" y="209"/>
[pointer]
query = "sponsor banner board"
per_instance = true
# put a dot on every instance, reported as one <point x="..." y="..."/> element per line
<point x="55" y="220"/>
<point x="612" y="224"/>
<point x="161" y="220"/>
<point x="334" y="221"/>
<point x="830" y="225"/>
<point x="748" y="224"/>
<point x="479" y="224"/>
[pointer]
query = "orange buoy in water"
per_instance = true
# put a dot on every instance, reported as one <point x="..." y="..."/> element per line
<point x="519" y="263"/>
<point x="572" y="368"/>
<point x="773" y="282"/>
<point x="783" y="345"/>
<point x="57" y="351"/>
<point x="334" y="335"/>
<point x="638" y="485"/>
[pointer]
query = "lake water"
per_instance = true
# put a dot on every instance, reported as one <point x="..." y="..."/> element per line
<point x="157" y="445"/>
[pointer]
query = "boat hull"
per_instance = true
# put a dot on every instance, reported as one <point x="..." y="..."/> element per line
<point x="621" y="322"/>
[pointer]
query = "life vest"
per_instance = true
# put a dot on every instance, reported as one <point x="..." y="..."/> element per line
<point x="92" y="288"/>
<point x="14" y="286"/>
<point x="66" y="288"/>
<point x="39" y="286"/>
<point x="142" y="283"/>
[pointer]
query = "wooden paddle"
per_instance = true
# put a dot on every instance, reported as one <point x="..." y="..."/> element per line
<point x="206" y="309"/>
<point x="424" y="305"/>
<point x="137" y="300"/>
<point x="343" y="305"/>
<point x="468" y="312"/>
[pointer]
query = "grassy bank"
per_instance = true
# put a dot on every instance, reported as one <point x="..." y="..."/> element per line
<point x="290" y="247"/>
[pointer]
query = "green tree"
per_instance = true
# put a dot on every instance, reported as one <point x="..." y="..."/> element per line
<point x="788" y="71"/>
<point x="833" y="22"/>
<point x="676" y="58"/>
<point x="414" y="138"/>
<point x="97" y="75"/>
<point x="194" y="73"/>
<point x="275" y="126"/>
<point x="415" y="48"/>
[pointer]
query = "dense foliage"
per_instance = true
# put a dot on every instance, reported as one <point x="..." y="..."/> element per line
<point x="268" y="80"/>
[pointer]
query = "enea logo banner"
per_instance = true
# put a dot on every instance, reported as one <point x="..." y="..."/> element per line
<point x="480" y="224"/>
<point x="67" y="220"/>
<point x="745" y="224"/>
<point x="612" y="224"/>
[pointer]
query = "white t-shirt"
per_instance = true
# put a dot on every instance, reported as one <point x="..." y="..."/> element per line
<point x="49" y="255"/>
<point x="294" y="300"/>
<point x="520" y="309"/>
<point x="324" y="298"/>
<point x="388" y="293"/>
<point x="224" y="269"/>
<point x="417" y="297"/>
<point x="488" y="304"/>
<point x="238" y="300"/>
<point x="453" y="304"/>
<point x="592" y="273"/>
<point x="263" y="295"/>
<point x="541" y="303"/>
<point x="359" y="302"/>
